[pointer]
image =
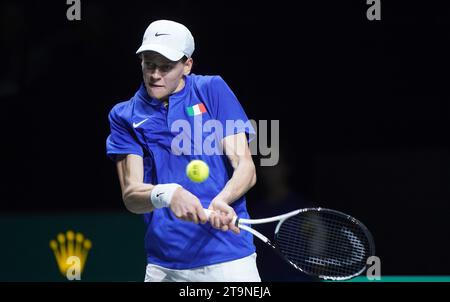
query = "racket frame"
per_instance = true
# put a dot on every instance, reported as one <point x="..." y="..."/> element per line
<point x="244" y="223"/>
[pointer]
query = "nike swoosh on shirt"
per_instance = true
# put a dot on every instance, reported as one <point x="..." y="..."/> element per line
<point x="135" y="125"/>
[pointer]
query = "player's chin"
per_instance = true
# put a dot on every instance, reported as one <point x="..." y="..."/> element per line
<point x="157" y="92"/>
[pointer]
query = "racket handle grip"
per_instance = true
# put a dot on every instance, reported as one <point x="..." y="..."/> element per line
<point x="208" y="214"/>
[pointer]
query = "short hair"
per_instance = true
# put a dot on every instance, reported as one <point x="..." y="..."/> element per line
<point x="159" y="57"/>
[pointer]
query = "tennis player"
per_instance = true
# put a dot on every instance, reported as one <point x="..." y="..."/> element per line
<point x="180" y="245"/>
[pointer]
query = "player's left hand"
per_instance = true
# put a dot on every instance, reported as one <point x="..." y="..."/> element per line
<point x="222" y="216"/>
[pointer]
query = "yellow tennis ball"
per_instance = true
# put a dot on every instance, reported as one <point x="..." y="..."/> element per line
<point x="197" y="170"/>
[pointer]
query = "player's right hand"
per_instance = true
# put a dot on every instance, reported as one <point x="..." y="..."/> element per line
<point x="186" y="206"/>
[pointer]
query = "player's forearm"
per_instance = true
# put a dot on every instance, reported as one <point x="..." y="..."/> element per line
<point x="137" y="198"/>
<point x="243" y="179"/>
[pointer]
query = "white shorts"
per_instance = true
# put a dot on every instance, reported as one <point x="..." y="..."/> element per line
<point x="240" y="270"/>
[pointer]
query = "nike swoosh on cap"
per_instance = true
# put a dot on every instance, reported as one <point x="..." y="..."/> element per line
<point x="135" y="125"/>
<point x="157" y="34"/>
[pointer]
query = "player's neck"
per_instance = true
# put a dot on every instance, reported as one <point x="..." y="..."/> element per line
<point x="180" y="86"/>
<point x="165" y="100"/>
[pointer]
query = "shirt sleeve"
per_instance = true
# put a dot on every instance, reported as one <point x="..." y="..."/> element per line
<point x="228" y="111"/>
<point x="121" y="139"/>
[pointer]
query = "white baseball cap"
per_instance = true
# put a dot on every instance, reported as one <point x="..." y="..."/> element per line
<point x="171" y="39"/>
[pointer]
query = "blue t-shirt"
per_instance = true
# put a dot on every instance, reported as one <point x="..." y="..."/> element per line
<point x="145" y="127"/>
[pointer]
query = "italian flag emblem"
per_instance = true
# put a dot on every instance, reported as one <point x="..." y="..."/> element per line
<point x="196" y="109"/>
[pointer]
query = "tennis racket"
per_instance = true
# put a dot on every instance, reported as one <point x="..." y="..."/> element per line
<point x="319" y="242"/>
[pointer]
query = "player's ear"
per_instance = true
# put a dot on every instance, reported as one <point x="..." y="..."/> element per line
<point x="141" y="60"/>
<point x="188" y="66"/>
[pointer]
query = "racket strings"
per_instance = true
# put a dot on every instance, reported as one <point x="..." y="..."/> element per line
<point x="324" y="244"/>
<point x="321" y="239"/>
<point x="337" y="251"/>
<point x="322" y="259"/>
<point x="323" y="250"/>
<point x="308" y="227"/>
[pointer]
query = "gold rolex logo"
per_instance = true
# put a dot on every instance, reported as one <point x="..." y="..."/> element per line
<point x="71" y="251"/>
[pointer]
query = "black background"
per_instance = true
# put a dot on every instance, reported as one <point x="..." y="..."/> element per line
<point x="363" y="106"/>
